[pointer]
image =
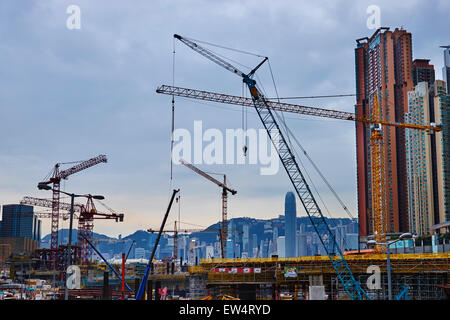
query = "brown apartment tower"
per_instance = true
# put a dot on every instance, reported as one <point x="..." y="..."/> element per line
<point x="383" y="67"/>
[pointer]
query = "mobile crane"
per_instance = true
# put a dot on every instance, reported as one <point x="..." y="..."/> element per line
<point x="292" y="168"/>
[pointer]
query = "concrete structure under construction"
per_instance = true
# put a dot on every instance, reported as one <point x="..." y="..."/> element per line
<point x="424" y="275"/>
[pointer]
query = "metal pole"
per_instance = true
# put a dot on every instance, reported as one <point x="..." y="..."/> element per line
<point x="129" y="250"/>
<point x="389" y="272"/>
<point x="107" y="263"/>
<point x="123" y="276"/>
<point x="68" y="255"/>
<point x="144" y="279"/>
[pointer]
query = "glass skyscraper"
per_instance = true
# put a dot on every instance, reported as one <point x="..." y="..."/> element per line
<point x="19" y="221"/>
<point x="290" y="220"/>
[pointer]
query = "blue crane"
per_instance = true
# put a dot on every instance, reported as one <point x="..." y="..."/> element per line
<point x="284" y="150"/>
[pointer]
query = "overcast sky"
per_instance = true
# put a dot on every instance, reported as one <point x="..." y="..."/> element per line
<point x="72" y="94"/>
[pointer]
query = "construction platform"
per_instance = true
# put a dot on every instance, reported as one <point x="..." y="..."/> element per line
<point x="425" y="275"/>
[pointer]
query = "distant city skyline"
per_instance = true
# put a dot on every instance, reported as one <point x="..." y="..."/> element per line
<point x="264" y="234"/>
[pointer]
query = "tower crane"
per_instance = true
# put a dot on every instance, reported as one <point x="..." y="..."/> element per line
<point x="286" y="155"/>
<point x="225" y="191"/>
<point x="176" y="231"/>
<point x="86" y="213"/>
<point x="376" y="140"/>
<point x="55" y="179"/>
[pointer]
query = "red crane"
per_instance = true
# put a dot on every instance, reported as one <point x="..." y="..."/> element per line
<point x="55" y="179"/>
<point x="86" y="215"/>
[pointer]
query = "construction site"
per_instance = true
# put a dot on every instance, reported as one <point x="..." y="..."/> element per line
<point x="78" y="270"/>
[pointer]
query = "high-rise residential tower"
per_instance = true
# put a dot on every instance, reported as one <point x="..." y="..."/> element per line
<point x="383" y="67"/>
<point x="446" y="68"/>
<point x="422" y="71"/>
<point x="290" y="218"/>
<point x="428" y="156"/>
<point x="442" y="116"/>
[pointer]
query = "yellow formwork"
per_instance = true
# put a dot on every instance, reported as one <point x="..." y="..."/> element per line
<point x="401" y="263"/>
<point x="418" y="256"/>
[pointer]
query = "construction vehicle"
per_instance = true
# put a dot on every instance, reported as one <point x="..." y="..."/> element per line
<point x="225" y="191"/>
<point x="55" y="179"/>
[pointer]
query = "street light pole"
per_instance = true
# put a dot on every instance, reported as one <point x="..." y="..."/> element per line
<point x="389" y="270"/>
<point x="69" y="245"/>
<point x="404" y="236"/>
<point x="43" y="186"/>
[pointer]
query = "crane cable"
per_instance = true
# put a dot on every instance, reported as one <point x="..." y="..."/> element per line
<point x="289" y="133"/>
<point x="244" y="123"/>
<point x="316" y="97"/>
<point x="323" y="177"/>
<point x="305" y="153"/>
<point x="227" y="48"/>
<point x="329" y="216"/>
<point x="173" y="114"/>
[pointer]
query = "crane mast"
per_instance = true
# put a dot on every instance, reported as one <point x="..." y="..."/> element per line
<point x="378" y="173"/>
<point x="290" y="164"/>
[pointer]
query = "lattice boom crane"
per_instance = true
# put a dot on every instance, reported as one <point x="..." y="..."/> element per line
<point x="264" y="109"/>
<point x="292" y="168"/>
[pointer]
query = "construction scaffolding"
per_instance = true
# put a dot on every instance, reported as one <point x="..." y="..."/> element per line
<point x="415" y="276"/>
